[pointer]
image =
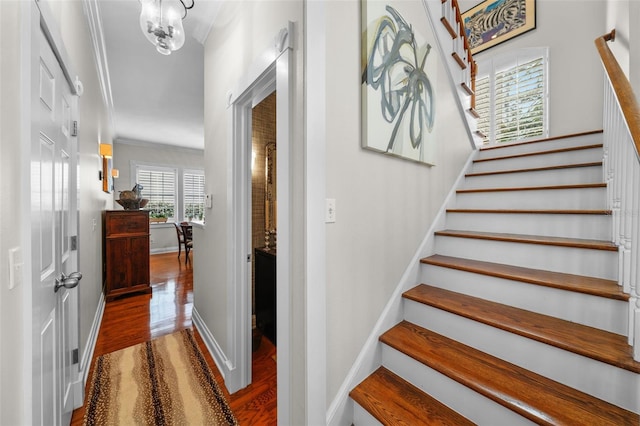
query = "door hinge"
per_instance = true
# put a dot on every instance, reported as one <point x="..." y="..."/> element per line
<point x="74" y="242"/>
<point x="74" y="356"/>
<point x="74" y="128"/>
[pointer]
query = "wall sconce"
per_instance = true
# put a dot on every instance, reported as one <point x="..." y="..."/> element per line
<point x="115" y="173"/>
<point x="105" y="175"/>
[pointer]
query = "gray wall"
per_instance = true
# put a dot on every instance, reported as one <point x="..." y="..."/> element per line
<point x="575" y="84"/>
<point x="384" y="205"/>
<point x="125" y="153"/>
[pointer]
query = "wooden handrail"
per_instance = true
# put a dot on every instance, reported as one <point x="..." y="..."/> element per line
<point x="621" y="87"/>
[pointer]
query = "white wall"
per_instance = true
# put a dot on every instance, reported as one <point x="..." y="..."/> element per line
<point x="94" y="128"/>
<point x="634" y="54"/>
<point x="11" y="301"/>
<point x="125" y="153"/>
<point x="624" y="16"/>
<point x="384" y="205"/>
<point x="569" y="28"/>
<point x="242" y="31"/>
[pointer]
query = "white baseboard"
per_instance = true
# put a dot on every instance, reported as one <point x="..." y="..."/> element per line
<point x="340" y="412"/>
<point x="87" y="353"/>
<point x="164" y="250"/>
<point x="222" y="362"/>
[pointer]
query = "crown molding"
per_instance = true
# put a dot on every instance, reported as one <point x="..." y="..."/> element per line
<point x="157" y="145"/>
<point x="94" y="20"/>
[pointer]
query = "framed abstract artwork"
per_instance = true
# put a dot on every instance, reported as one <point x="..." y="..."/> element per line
<point x="398" y="80"/>
<point x="492" y="22"/>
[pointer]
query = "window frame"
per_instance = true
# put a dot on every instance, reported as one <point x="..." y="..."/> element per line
<point x="195" y="172"/>
<point x="179" y="185"/>
<point x="490" y="66"/>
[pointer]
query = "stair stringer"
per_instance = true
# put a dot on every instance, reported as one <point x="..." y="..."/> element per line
<point x="341" y="412"/>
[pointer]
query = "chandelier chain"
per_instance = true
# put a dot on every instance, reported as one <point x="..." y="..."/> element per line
<point x="187" y="7"/>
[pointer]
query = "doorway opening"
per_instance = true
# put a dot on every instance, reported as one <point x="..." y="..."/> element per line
<point x="263" y="221"/>
<point x="271" y="72"/>
<point x="264" y="232"/>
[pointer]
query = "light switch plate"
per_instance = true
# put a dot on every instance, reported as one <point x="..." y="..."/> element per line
<point x="330" y="211"/>
<point x="15" y="267"/>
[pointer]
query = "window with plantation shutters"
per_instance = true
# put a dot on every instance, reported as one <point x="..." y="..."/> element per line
<point x="193" y="195"/>
<point x="511" y="96"/>
<point x="159" y="187"/>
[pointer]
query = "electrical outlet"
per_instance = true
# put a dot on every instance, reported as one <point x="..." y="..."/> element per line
<point x="330" y="210"/>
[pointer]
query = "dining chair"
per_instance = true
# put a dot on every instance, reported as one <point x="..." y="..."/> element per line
<point x="181" y="241"/>
<point x="187" y="233"/>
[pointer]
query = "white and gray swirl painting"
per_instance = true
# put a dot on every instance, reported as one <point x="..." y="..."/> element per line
<point x="398" y="81"/>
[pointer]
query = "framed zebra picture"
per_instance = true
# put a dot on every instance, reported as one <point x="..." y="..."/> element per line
<point x="492" y="22"/>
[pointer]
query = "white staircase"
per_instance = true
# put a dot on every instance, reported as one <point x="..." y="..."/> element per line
<point x="520" y="319"/>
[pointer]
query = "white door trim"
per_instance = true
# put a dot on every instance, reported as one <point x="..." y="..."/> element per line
<point x="317" y="28"/>
<point x="271" y="71"/>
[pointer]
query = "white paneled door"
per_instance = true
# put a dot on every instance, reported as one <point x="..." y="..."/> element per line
<point x="54" y="236"/>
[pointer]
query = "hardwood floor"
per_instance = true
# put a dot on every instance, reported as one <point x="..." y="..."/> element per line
<point x="138" y="318"/>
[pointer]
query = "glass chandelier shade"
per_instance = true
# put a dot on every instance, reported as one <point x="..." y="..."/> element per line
<point x="161" y="23"/>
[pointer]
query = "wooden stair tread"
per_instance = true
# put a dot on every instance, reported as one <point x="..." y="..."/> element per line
<point x="536" y="169"/>
<point x="467" y="89"/>
<point x="581" y="284"/>
<point x="449" y="27"/>
<point x="394" y="401"/>
<point x="513" y="211"/>
<point x="553" y="138"/>
<point x="530" y="154"/>
<point x="587" y="341"/>
<point x="531" y="395"/>
<point x="533" y="188"/>
<point x="532" y="239"/>
<point x="459" y="61"/>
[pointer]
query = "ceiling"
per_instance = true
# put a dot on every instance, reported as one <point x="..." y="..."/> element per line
<point x="154" y="98"/>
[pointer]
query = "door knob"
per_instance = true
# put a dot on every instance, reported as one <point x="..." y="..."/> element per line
<point x="65" y="281"/>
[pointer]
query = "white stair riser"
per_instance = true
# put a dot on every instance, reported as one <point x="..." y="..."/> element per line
<point x="361" y="417"/>
<point x="545" y="160"/>
<point x="470" y="404"/>
<point x="614" y="385"/>
<point x="598" y="312"/>
<point x="577" y="199"/>
<point x="570" y="260"/>
<point x="586" y="226"/>
<point x="543" y="146"/>
<point x="567" y="176"/>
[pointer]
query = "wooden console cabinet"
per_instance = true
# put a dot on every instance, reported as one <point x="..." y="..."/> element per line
<point x="265" y="293"/>
<point x="125" y="252"/>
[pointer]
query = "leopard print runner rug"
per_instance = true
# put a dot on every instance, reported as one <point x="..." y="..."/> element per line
<point x="165" y="381"/>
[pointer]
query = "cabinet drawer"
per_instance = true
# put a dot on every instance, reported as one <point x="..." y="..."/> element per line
<point x="127" y="223"/>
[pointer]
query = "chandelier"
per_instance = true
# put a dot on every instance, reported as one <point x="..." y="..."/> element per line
<point x="161" y="23"/>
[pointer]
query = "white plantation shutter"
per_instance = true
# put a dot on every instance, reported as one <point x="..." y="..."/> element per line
<point x="483" y="106"/>
<point x="193" y="195"/>
<point x="511" y="97"/>
<point x="159" y="187"/>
